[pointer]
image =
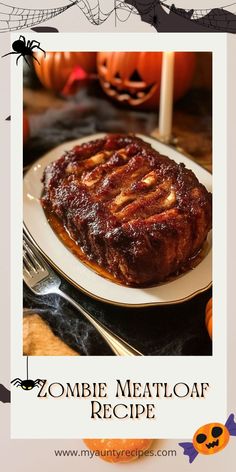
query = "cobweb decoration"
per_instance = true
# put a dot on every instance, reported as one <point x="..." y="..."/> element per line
<point x="14" y="18"/>
<point x="96" y="16"/>
<point x="217" y="18"/>
<point x="204" y="11"/>
<point x="200" y="12"/>
<point x="123" y="11"/>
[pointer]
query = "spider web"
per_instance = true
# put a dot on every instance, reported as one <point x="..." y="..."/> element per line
<point x="217" y="18"/>
<point x="14" y="18"/>
<point x="96" y="16"/>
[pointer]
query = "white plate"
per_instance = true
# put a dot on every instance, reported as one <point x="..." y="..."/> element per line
<point x="178" y="290"/>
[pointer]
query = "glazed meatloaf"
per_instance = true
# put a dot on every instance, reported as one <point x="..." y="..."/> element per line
<point x="136" y="213"/>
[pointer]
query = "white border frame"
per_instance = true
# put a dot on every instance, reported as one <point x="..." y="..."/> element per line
<point x="213" y="368"/>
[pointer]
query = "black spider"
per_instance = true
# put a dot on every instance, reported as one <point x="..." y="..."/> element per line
<point x="27" y="384"/>
<point x="25" y="49"/>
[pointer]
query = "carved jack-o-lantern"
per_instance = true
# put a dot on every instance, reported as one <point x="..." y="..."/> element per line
<point x="211" y="438"/>
<point x="134" y="77"/>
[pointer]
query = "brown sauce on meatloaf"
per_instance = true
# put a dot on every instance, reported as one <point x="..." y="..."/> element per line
<point x="133" y="211"/>
<point x="73" y="246"/>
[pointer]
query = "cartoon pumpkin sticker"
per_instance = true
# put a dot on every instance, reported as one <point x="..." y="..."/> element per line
<point x="210" y="438"/>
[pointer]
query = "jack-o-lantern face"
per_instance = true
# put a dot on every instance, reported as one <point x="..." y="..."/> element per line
<point x="211" y="438"/>
<point x="126" y="76"/>
<point x="134" y="77"/>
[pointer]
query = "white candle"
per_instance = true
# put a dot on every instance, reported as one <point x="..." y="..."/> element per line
<point x="166" y="96"/>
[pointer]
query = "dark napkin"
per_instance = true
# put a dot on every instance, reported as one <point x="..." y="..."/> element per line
<point x="158" y="330"/>
<point x="163" y="330"/>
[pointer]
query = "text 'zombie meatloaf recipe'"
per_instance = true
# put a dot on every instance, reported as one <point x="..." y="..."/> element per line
<point x="136" y="213"/>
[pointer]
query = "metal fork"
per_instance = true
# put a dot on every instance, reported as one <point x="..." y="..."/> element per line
<point x="42" y="280"/>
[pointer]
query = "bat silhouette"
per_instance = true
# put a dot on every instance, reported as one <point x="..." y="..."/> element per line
<point x="5" y="394"/>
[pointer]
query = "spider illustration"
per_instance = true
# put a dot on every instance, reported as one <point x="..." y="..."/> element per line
<point x="23" y="48"/>
<point x="27" y="384"/>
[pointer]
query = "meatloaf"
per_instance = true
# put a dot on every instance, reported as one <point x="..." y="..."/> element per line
<point x="135" y="212"/>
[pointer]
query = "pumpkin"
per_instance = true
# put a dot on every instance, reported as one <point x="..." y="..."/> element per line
<point x="208" y="317"/>
<point x="126" y="450"/>
<point x="55" y="69"/>
<point x="26" y="128"/>
<point x="134" y="77"/>
<point x="208" y="435"/>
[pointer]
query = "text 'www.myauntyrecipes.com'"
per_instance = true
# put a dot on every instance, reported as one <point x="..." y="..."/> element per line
<point x="114" y="453"/>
